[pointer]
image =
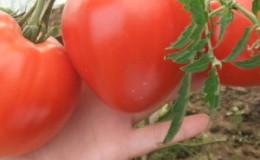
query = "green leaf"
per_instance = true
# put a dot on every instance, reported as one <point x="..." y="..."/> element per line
<point x="187" y="5"/>
<point x="200" y="44"/>
<point x="197" y="8"/>
<point x="186" y="57"/>
<point x="198" y="65"/>
<point x="184" y="38"/>
<point x="240" y="45"/>
<point x="189" y="53"/>
<point x="197" y="33"/>
<point x="256" y="7"/>
<point x="179" y="108"/>
<point x="249" y="64"/>
<point x="226" y="2"/>
<point x="212" y="91"/>
<point x="227" y="17"/>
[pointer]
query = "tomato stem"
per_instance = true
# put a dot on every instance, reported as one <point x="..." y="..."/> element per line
<point x="216" y="11"/>
<point x="25" y="17"/>
<point x="215" y="61"/>
<point x="247" y="13"/>
<point x="36" y="30"/>
<point x="37" y="14"/>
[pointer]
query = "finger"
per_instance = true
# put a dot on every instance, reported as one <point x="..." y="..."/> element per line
<point x="149" y="138"/>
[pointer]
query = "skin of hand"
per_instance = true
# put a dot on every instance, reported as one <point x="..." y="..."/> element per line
<point x="96" y="132"/>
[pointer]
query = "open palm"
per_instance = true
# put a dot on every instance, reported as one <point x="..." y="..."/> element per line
<point x="95" y="132"/>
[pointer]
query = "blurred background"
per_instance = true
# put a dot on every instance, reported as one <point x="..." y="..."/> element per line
<point x="23" y="4"/>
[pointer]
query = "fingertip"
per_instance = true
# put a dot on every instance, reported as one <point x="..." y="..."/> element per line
<point x="149" y="138"/>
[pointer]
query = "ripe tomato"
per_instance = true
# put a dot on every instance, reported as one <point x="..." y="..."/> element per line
<point x="231" y="74"/>
<point x="118" y="46"/>
<point x="39" y="88"/>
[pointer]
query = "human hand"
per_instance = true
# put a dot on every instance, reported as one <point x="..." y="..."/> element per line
<point x="96" y="132"/>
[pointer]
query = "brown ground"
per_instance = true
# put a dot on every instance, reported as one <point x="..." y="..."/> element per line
<point x="237" y="122"/>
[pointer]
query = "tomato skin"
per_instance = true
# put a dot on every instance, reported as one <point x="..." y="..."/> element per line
<point x="39" y="90"/>
<point x="231" y="74"/>
<point x="118" y="47"/>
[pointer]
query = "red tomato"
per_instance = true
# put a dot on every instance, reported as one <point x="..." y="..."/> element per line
<point x="39" y="88"/>
<point x="231" y="74"/>
<point x="118" y="47"/>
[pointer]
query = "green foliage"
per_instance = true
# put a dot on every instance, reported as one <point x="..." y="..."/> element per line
<point x="241" y="45"/>
<point x="227" y="17"/>
<point x="198" y="10"/>
<point x="179" y="108"/>
<point x="196" y="52"/>
<point x="184" y="38"/>
<point x="212" y="91"/>
<point x="249" y="64"/>
<point x="198" y="65"/>
<point x="256" y="7"/>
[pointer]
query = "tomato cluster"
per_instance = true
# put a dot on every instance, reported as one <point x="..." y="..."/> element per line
<point x="117" y="47"/>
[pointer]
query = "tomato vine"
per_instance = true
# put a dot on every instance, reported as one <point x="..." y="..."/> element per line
<point x="197" y="37"/>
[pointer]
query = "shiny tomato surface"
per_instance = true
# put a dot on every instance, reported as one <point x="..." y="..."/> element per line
<point x="118" y="47"/>
<point x="39" y="89"/>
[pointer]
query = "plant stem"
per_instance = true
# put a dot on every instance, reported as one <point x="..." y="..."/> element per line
<point x="216" y="11"/>
<point x="247" y="13"/>
<point x="47" y="12"/>
<point x="202" y="144"/>
<point x="36" y="16"/>
<point x="26" y="16"/>
<point x="216" y="62"/>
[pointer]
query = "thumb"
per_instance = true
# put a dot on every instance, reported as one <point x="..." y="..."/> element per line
<point x="149" y="138"/>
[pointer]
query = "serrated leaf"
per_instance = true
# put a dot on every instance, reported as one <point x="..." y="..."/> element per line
<point x="249" y="64"/>
<point x="227" y="18"/>
<point x="240" y="45"/>
<point x="176" y="55"/>
<point x="179" y="108"/>
<point x="189" y="53"/>
<point x="200" y="44"/>
<point x="184" y="38"/>
<point x="187" y="57"/>
<point x="197" y="8"/>
<point x="256" y="7"/>
<point x="197" y="33"/>
<point x="212" y="91"/>
<point x="226" y="2"/>
<point x="187" y="5"/>
<point x="182" y="53"/>
<point x="198" y="65"/>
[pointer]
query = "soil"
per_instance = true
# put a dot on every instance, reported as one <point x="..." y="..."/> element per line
<point x="236" y="122"/>
<point x="234" y="133"/>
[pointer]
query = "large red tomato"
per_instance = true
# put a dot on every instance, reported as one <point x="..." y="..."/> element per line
<point x="118" y="47"/>
<point x="39" y="89"/>
<point x="231" y="74"/>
